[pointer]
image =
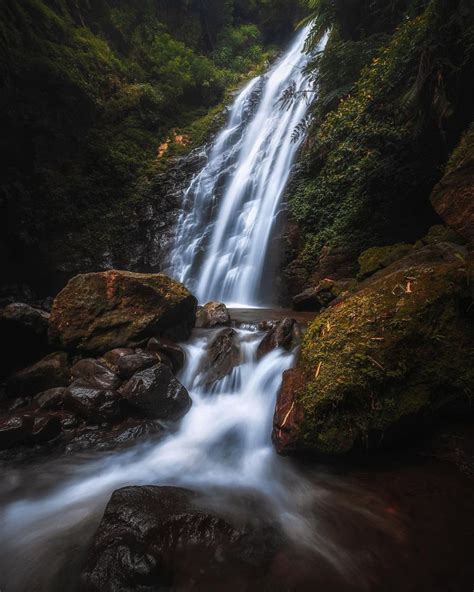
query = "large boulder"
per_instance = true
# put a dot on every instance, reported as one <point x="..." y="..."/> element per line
<point x="162" y="538"/>
<point x="453" y="197"/>
<point x="156" y="393"/>
<point x="24" y="332"/>
<point x="50" y="372"/>
<point x="97" y="312"/>
<point x="385" y="360"/>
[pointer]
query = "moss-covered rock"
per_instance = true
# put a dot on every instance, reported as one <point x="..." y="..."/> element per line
<point x="377" y="258"/>
<point x="97" y="312"/>
<point x="399" y="349"/>
<point x="453" y="197"/>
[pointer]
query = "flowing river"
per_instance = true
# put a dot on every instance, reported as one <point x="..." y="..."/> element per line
<point x="230" y="212"/>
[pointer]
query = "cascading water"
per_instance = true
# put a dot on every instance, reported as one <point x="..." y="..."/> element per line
<point x="231" y="206"/>
<point x="224" y="440"/>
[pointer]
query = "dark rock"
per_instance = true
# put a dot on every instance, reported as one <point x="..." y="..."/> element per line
<point x="141" y="360"/>
<point x="51" y="399"/>
<point x="95" y="374"/>
<point x="313" y="299"/>
<point x="281" y="336"/>
<point x="212" y="314"/>
<point x="97" y="312"/>
<point x="112" y="357"/>
<point x="24" y="332"/>
<point x="45" y="428"/>
<point x="222" y="357"/>
<point x="155" y="392"/>
<point x="14" y="431"/>
<point x="94" y="405"/>
<point x="50" y="372"/>
<point x="170" y="349"/>
<point x="69" y="421"/>
<point x="161" y="538"/>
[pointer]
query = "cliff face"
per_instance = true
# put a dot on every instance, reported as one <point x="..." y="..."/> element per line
<point x="395" y="95"/>
<point x="96" y="97"/>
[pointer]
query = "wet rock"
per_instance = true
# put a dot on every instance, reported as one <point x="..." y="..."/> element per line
<point x="377" y="367"/>
<point x="45" y="428"/>
<point x="160" y="538"/>
<point x="50" y="372"/>
<point x="212" y="314"/>
<point x="51" y="399"/>
<point x="94" y="405"/>
<point x="24" y="332"/>
<point x="320" y="296"/>
<point x="95" y="374"/>
<point x="97" y="312"/>
<point x="113" y="357"/>
<point x="170" y="350"/>
<point x="156" y="393"/>
<point x="222" y="357"/>
<point x="129" y="365"/>
<point x="14" y="431"/>
<point x="283" y="335"/>
<point x="69" y="421"/>
<point x="453" y="197"/>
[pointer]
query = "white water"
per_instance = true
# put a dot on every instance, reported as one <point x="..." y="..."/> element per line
<point x="222" y="241"/>
<point x="224" y="440"/>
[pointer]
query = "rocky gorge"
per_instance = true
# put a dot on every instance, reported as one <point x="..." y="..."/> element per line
<point x="238" y="322"/>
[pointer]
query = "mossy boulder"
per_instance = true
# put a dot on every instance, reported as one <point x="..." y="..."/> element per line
<point x="97" y="312"/>
<point x="377" y="258"/>
<point x="453" y="197"/>
<point x="397" y="352"/>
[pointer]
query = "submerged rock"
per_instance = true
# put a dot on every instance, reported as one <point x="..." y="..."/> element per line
<point x="50" y="372"/>
<point x="211" y="315"/>
<point x="97" y="312"/>
<point x="156" y="393"/>
<point x="161" y="538"/>
<point x="385" y="359"/>
<point x="221" y="358"/>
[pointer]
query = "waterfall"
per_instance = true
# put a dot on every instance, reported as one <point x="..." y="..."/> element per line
<point x="231" y="207"/>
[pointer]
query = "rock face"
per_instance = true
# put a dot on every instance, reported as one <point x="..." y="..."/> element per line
<point x="24" y="332"/>
<point x="50" y="372"/>
<point x="377" y="364"/>
<point x="453" y="197"/>
<point x="212" y="314"/>
<point x="159" y="538"/>
<point x="280" y="336"/>
<point x="97" y="312"/>
<point x="156" y="393"/>
<point x="313" y="299"/>
<point x="222" y="357"/>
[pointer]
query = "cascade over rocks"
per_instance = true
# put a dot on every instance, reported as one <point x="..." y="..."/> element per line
<point x="97" y="312"/>
<point x="378" y="365"/>
<point x="157" y="538"/>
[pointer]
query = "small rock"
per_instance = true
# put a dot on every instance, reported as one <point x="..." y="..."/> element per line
<point x="94" y="405"/>
<point x="50" y="372"/>
<point x="281" y="336"/>
<point x="222" y="357"/>
<point x="129" y="365"/>
<point x="51" y="399"/>
<point x="14" y="431"/>
<point x="45" y="428"/>
<point x="157" y="393"/>
<point x="112" y="357"/>
<point x="170" y="349"/>
<point x="97" y="375"/>
<point x="212" y="314"/>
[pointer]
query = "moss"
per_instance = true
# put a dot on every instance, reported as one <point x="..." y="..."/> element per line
<point x="463" y="153"/>
<point x="440" y="234"/>
<point x="377" y="258"/>
<point x="384" y="354"/>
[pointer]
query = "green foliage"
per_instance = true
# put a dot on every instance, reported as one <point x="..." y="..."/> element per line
<point x="375" y="156"/>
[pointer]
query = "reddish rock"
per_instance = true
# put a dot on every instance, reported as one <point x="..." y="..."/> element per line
<point x="211" y="315"/>
<point x="288" y="415"/>
<point x="95" y="374"/>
